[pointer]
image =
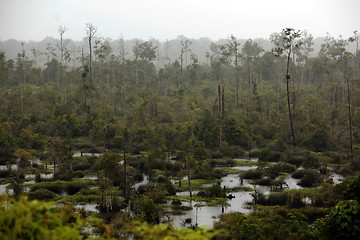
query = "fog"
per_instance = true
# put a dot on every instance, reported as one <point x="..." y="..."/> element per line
<point x="164" y="19"/>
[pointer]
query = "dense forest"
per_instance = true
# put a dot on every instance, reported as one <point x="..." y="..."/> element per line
<point x="149" y="132"/>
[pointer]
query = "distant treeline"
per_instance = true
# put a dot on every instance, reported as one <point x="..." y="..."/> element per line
<point x="167" y="51"/>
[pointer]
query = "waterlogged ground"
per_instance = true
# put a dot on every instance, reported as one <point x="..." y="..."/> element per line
<point x="200" y="213"/>
<point x="205" y="216"/>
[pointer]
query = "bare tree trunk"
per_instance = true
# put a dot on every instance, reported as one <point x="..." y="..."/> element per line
<point x="220" y="117"/>
<point x="350" y="119"/>
<point x="126" y="194"/>
<point x="288" y="99"/>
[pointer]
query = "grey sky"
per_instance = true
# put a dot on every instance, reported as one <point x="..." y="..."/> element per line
<point x="166" y="19"/>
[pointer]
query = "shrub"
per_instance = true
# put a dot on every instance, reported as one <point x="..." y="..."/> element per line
<point x="74" y="187"/>
<point x="352" y="188"/>
<point x="145" y="210"/>
<point x="310" y="178"/>
<point x="55" y="187"/>
<point x="277" y="198"/>
<point x="252" y="174"/>
<point x="238" y="226"/>
<point x="232" y="151"/>
<point x="208" y="174"/>
<point x="64" y="175"/>
<point x="81" y="164"/>
<point x="215" y="190"/>
<point x="259" y="198"/>
<point x="310" y="162"/>
<point x="313" y="213"/>
<point x="264" y="181"/>
<point x="269" y="156"/>
<point x="295" y="160"/>
<point x="38" y="177"/>
<point x="298" y="174"/>
<point x="343" y="221"/>
<point x="138" y="177"/>
<point x="161" y="179"/>
<point x="275" y="170"/>
<point x="170" y="189"/>
<point x="294" y="200"/>
<point x="38" y="220"/>
<point x="43" y="194"/>
<point x="79" y="174"/>
<point x="6" y="173"/>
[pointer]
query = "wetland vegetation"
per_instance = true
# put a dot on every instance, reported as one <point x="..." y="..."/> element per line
<point x="251" y="144"/>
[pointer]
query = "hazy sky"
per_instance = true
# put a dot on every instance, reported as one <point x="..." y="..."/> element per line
<point x="167" y="19"/>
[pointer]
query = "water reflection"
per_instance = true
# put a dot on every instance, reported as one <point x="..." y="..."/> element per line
<point x="143" y="182"/>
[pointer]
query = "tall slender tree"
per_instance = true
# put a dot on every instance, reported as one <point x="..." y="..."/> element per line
<point x="251" y="52"/>
<point x="232" y="51"/>
<point x="287" y="43"/>
<point x="64" y="57"/>
<point x="90" y="34"/>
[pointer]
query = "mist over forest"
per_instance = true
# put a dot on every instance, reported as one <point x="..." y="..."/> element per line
<point x="166" y="52"/>
<point x="183" y="139"/>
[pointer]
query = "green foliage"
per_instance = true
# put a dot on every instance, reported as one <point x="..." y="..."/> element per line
<point x="7" y="142"/>
<point x="342" y="222"/>
<point x="273" y="199"/>
<point x="129" y="105"/>
<point x="318" y="140"/>
<point x="37" y="220"/>
<point x="310" y="162"/>
<point x="275" y="170"/>
<point x="252" y="174"/>
<point x="206" y="130"/>
<point x="268" y="223"/>
<point x="311" y="178"/>
<point x="60" y="187"/>
<point x="214" y="190"/>
<point x="146" y="210"/>
<point x="352" y="188"/>
<point x="23" y="219"/>
<point x="269" y="156"/>
<point x="238" y="226"/>
<point x="43" y="194"/>
<point x="234" y="134"/>
<point x="165" y="231"/>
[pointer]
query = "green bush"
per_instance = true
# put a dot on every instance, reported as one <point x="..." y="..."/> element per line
<point x="314" y="213"/>
<point x="79" y="174"/>
<point x="298" y="174"/>
<point x="311" y="162"/>
<point x="145" y="210"/>
<point x="43" y="194"/>
<point x="81" y="163"/>
<point x="281" y="167"/>
<point x="37" y="220"/>
<point x="269" y="156"/>
<point x="208" y="174"/>
<point x="232" y="151"/>
<point x="74" y="187"/>
<point x="238" y="226"/>
<point x="55" y="187"/>
<point x="277" y="198"/>
<point x="342" y="222"/>
<point x="266" y="181"/>
<point x="351" y="188"/>
<point x="310" y="179"/>
<point x="252" y="174"/>
<point x="294" y="200"/>
<point x="59" y="187"/>
<point x="214" y="190"/>
<point x="6" y="173"/>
